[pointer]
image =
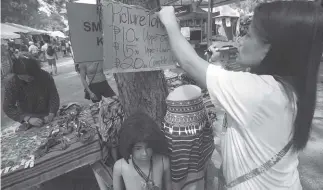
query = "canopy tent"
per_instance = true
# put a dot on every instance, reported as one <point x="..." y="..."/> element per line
<point x="8" y="32"/>
<point x="27" y="29"/>
<point x="57" y="34"/>
<point x="12" y="29"/>
<point x="9" y="35"/>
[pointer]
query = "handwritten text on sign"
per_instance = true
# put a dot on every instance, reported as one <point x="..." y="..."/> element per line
<point x="133" y="40"/>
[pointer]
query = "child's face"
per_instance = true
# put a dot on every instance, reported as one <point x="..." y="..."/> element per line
<point x="141" y="151"/>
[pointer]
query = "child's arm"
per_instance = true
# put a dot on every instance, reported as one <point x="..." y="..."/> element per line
<point x="117" y="176"/>
<point x="167" y="176"/>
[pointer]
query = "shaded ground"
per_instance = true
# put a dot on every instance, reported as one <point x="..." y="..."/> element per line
<point x="71" y="90"/>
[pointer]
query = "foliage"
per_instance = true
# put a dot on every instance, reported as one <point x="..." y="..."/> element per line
<point x="246" y="6"/>
<point x="18" y="11"/>
<point x="26" y="12"/>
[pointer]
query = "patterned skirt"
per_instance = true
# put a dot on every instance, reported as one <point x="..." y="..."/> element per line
<point x="190" y="139"/>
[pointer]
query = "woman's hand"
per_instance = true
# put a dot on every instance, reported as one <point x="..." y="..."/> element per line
<point x="167" y="16"/>
<point x="49" y="118"/>
<point x="93" y="96"/>
<point x="215" y="53"/>
<point x="36" y="122"/>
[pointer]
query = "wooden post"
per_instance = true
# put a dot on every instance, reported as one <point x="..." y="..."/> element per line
<point x="209" y="24"/>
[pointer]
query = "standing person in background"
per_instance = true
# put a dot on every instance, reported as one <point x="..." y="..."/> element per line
<point x="63" y="45"/>
<point x="97" y="85"/>
<point x="68" y="48"/>
<point x="33" y="50"/>
<point x="50" y="54"/>
<point x="41" y="53"/>
<point x="269" y="109"/>
<point x="30" y="96"/>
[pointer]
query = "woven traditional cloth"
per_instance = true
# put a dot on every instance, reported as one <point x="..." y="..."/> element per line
<point x="189" y="136"/>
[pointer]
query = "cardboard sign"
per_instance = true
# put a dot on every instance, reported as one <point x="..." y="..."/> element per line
<point x="86" y="32"/>
<point x="133" y="40"/>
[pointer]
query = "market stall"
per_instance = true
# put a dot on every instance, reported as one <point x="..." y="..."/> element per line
<point x="40" y="154"/>
<point x="73" y="140"/>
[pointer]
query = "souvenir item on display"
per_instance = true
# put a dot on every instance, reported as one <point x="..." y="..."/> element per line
<point x="67" y="128"/>
<point x="188" y="129"/>
<point x="111" y="116"/>
<point x="73" y="123"/>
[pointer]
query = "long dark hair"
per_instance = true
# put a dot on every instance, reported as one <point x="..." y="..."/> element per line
<point x="294" y="31"/>
<point x="139" y="127"/>
<point x="26" y="64"/>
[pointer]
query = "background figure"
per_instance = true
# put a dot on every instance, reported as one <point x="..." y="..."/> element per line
<point x="63" y="46"/>
<point x="190" y="137"/>
<point x="51" y="56"/>
<point x="68" y="47"/>
<point x="33" y="50"/>
<point x="97" y="85"/>
<point x="30" y="97"/>
<point x="269" y="109"/>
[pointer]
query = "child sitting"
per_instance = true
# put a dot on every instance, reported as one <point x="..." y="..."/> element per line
<point x="144" y="165"/>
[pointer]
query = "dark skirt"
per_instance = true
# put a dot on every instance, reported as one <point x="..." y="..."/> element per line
<point x="101" y="89"/>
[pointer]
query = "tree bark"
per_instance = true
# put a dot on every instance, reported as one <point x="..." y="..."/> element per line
<point x="143" y="91"/>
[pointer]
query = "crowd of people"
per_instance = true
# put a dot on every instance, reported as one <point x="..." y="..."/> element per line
<point x="45" y="51"/>
<point x="269" y="106"/>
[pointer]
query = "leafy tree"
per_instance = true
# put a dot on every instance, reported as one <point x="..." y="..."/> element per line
<point x="18" y="11"/>
<point x="26" y="12"/>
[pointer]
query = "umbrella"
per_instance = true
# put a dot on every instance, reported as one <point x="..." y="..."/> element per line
<point x="58" y="34"/>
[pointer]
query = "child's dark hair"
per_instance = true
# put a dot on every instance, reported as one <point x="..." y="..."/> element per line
<point x="140" y="127"/>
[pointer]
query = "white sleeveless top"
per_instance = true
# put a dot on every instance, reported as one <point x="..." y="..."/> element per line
<point x="260" y="124"/>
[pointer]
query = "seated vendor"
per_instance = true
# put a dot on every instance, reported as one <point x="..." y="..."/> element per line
<point x="30" y="96"/>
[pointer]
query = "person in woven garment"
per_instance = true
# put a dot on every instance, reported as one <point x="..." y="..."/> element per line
<point x="143" y="148"/>
<point x="189" y="136"/>
<point x="30" y="96"/>
<point x="270" y="108"/>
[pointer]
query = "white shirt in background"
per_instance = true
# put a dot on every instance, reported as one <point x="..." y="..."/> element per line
<point x="33" y="49"/>
<point x="44" y="49"/>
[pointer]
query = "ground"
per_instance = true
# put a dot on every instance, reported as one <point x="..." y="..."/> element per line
<point x="71" y="90"/>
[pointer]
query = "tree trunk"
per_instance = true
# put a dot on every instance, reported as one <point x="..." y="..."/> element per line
<point x="143" y="91"/>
